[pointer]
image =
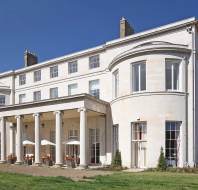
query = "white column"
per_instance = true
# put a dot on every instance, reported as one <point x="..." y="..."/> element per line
<point x="37" y="138"/>
<point x="12" y="139"/>
<point x="83" y="134"/>
<point x="58" y="117"/>
<point x="19" y="139"/>
<point x="3" y="140"/>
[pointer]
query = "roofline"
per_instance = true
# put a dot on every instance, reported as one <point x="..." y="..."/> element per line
<point x="109" y="44"/>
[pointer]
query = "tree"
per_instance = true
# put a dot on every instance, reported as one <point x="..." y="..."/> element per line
<point x="117" y="161"/>
<point x="162" y="161"/>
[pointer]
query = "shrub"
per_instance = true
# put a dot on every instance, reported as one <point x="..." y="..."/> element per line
<point x="117" y="160"/>
<point x="162" y="161"/>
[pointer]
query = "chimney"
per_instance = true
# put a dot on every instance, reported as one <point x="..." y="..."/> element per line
<point x="125" y="28"/>
<point x="30" y="58"/>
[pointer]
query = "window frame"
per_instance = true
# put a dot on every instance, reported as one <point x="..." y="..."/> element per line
<point x="34" y="95"/>
<point x="37" y="78"/>
<point x="54" y="74"/>
<point x="22" y="79"/>
<point x="140" y="87"/>
<point x="97" y="90"/>
<point x="73" y="67"/>
<point x="94" y="64"/>
<point x="173" y="62"/>
<point x="69" y="90"/>
<point x="53" y="93"/>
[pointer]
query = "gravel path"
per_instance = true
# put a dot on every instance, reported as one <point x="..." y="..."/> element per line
<point x="74" y="174"/>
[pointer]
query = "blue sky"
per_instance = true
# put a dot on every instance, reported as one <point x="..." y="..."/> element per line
<point x="53" y="28"/>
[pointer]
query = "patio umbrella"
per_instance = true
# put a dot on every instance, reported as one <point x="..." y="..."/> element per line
<point x="27" y="142"/>
<point x="73" y="142"/>
<point x="46" y="142"/>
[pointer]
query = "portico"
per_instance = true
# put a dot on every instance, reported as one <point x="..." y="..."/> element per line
<point x="38" y="121"/>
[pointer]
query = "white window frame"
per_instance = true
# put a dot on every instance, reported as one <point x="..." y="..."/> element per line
<point x="173" y="63"/>
<point x="72" y="67"/>
<point x="69" y="88"/>
<point x="116" y="83"/>
<point x="22" y="79"/>
<point x="21" y="98"/>
<point x="37" y="75"/>
<point x="92" y="91"/>
<point x="139" y="64"/>
<point x="35" y="95"/>
<point x="54" y="71"/>
<point x="54" y="92"/>
<point x="95" y="63"/>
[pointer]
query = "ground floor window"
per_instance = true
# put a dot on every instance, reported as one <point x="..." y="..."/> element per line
<point x="172" y="142"/>
<point x="94" y="144"/>
<point x="139" y="144"/>
<point x="115" y="138"/>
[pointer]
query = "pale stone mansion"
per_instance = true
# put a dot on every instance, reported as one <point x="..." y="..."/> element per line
<point x="134" y="94"/>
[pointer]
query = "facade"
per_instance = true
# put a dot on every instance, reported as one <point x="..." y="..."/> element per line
<point x="134" y="94"/>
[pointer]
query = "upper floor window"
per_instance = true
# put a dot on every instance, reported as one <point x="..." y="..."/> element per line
<point x="115" y="83"/>
<point x="72" y="89"/>
<point x="54" y="71"/>
<point x="37" y="75"/>
<point x="2" y="100"/>
<point x="54" y="92"/>
<point x="37" y="95"/>
<point x="73" y="67"/>
<point x="94" y="88"/>
<point x="94" y="61"/>
<point x="139" y="76"/>
<point x="22" y="79"/>
<point x="73" y="134"/>
<point x="172" y="74"/>
<point x="21" y="98"/>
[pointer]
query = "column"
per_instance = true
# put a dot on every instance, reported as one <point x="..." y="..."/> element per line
<point x="12" y="127"/>
<point x="37" y="138"/>
<point x="83" y="129"/>
<point x="18" y="139"/>
<point x="58" y="123"/>
<point x="3" y="140"/>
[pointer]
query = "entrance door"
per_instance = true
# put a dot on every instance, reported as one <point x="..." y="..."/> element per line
<point x="138" y="145"/>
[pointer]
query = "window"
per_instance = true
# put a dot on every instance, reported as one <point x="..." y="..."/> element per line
<point x="115" y="83"/>
<point x="22" y="79"/>
<point x="73" y="134"/>
<point x="2" y="100"/>
<point x="94" y="89"/>
<point x="54" y="71"/>
<point x="37" y="75"/>
<point x="72" y="67"/>
<point x="94" y="61"/>
<point x="21" y="98"/>
<point x="115" y="138"/>
<point x="37" y="95"/>
<point x="72" y="89"/>
<point x="54" y="92"/>
<point x="172" y="142"/>
<point x="172" y="74"/>
<point x="138" y="76"/>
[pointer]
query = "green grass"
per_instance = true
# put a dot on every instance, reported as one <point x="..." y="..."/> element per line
<point x="119" y="180"/>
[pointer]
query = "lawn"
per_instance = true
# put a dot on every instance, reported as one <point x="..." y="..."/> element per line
<point x="123" y="181"/>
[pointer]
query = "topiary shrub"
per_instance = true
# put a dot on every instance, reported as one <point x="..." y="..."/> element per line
<point x="161" y="161"/>
<point x="117" y="160"/>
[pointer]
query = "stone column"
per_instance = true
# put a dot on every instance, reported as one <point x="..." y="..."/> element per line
<point x="3" y="140"/>
<point x="12" y="128"/>
<point x="37" y="138"/>
<point x="58" y="118"/>
<point x="19" y="139"/>
<point x="83" y="134"/>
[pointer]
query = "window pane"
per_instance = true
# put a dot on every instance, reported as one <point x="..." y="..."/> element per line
<point x="168" y="76"/>
<point x="54" y="71"/>
<point x="21" y="98"/>
<point x="94" y="89"/>
<point x="135" y="77"/>
<point x="37" y="75"/>
<point x="143" y="76"/>
<point x="22" y="79"/>
<point x="72" y="67"/>
<point x="54" y="92"/>
<point x="37" y="95"/>
<point x="2" y="100"/>
<point x="94" y="61"/>
<point x="176" y="76"/>
<point x="72" y="89"/>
